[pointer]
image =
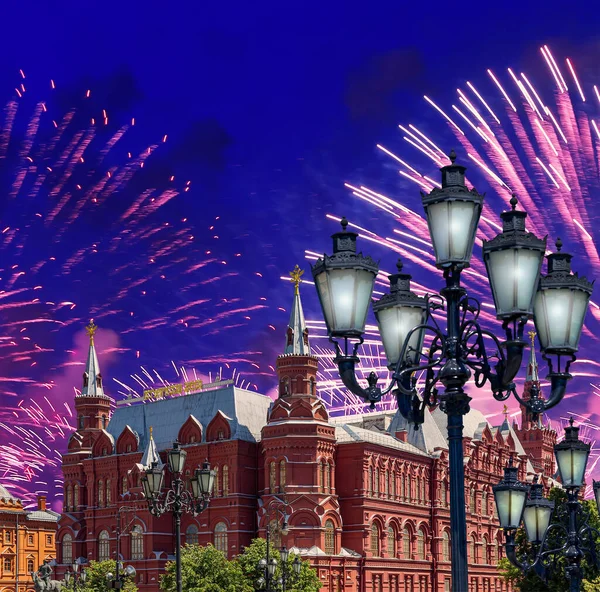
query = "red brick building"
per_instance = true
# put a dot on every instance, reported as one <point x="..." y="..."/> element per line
<point x="367" y="495"/>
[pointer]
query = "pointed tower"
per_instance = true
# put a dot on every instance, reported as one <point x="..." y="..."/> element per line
<point x="538" y="440"/>
<point x="298" y="442"/>
<point x="92" y="405"/>
<point x="150" y="455"/>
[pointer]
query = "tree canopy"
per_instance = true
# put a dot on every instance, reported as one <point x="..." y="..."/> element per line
<point x="96" y="578"/>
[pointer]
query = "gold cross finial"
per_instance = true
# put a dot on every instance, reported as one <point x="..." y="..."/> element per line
<point x="296" y="274"/>
<point x="505" y="411"/>
<point x="532" y="335"/>
<point x="91" y="330"/>
<point x="151" y="431"/>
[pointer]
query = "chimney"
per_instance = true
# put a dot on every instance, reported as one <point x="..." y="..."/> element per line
<point x="41" y="501"/>
<point x="402" y="435"/>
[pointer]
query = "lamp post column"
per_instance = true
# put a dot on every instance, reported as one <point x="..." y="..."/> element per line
<point x="455" y="403"/>
<point x="267" y="572"/>
<point x="573" y="553"/>
<point x="177" y="511"/>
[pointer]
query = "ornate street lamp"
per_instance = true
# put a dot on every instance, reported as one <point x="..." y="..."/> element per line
<point x="510" y="495"/>
<point x="572" y="537"/>
<point x="79" y="577"/>
<point x="116" y="582"/>
<point x="178" y="499"/>
<point x="344" y="283"/>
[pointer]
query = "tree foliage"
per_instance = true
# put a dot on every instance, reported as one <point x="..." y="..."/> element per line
<point x="557" y="580"/>
<point x="96" y="578"/>
<point x="205" y="569"/>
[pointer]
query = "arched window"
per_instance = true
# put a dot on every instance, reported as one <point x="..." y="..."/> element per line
<point x="370" y="482"/>
<point x="67" y="550"/>
<point x="221" y="537"/>
<point x="137" y="542"/>
<point x="76" y="496"/>
<point x="327" y="478"/>
<point x="124" y="486"/>
<point x="100" y="493"/>
<point x="445" y="546"/>
<point x="386" y="484"/>
<point x="484" y="503"/>
<point x="420" y="544"/>
<point x="406" y="543"/>
<point x="472" y="549"/>
<point x="485" y="550"/>
<point x="376" y="483"/>
<point x="108" y="493"/>
<point x="402" y="486"/>
<point x="418" y="488"/>
<point x="104" y="422"/>
<point x="393" y="486"/>
<point x="329" y="538"/>
<point x="216" y="483"/>
<point x="191" y="535"/>
<point x="30" y="566"/>
<point x="282" y="476"/>
<point x="81" y="422"/>
<point x="225" y="480"/>
<point x="472" y="506"/>
<point x="273" y="477"/>
<point x="391" y="542"/>
<point x="103" y="546"/>
<point x="68" y="498"/>
<point x="375" y="539"/>
<point x="444" y="493"/>
<point x="322" y="476"/>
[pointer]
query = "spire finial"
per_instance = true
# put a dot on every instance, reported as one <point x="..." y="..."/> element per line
<point x="452" y="156"/>
<point x="399" y="265"/>
<point x="296" y="275"/>
<point x="344" y="223"/>
<point x="571" y="421"/>
<point x="150" y="430"/>
<point x="558" y="244"/>
<point x="532" y="335"/>
<point x="91" y="331"/>
<point x="505" y="411"/>
<point x="514" y="201"/>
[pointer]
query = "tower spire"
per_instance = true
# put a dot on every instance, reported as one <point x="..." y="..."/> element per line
<point x="532" y="367"/>
<point x="151" y="454"/>
<point x="92" y="378"/>
<point x="297" y="331"/>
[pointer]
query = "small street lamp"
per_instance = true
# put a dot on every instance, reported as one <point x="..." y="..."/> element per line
<point x="457" y="352"/>
<point x="117" y="581"/>
<point x="178" y="499"/>
<point x="571" y="538"/>
<point x="78" y="577"/>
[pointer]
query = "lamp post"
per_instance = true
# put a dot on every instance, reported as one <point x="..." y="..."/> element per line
<point x="116" y="581"/>
<point x="78" y="577"/>
<point x="571" y="537"/>
<point x="178" y="499"/>
<point x="269" y="568"/>
<point x="513" y="259"/>
<point x="268" y="564"/>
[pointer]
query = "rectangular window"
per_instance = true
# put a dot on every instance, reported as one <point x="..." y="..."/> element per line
<point x="49" y="540"/>
<point x="7" y="537"/>
<point x="8" y="564"/>
<point x="30" y="539"/>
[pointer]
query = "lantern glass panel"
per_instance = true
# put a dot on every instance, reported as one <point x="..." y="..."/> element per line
<point x="394" y="325"/>
<point x="177" y="459"/>
<point x="571" y="465"/>
<point x="559" y="315"/>
<point x="597" y="494"/>
<point x="509" y="505"/>
<point x="345" y="295"/>
<point x="154" y="478"/>
<point x="206" y="479"/>
<point x="450" y="224"/>
<point x="536" y="520"/>
<point x="514" y="276"/>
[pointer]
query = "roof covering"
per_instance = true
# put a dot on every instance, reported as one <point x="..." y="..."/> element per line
<point x="5" y="495"/>
<point x="45" y="515"/>
<point x="247" y="410"/>
<point x="353" y="433"/>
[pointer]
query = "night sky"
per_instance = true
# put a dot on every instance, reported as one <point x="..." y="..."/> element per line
<point x="268" y="109"/>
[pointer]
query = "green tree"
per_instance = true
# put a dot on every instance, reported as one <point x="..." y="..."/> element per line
<point x="205" y="569"/>
<point x="307" y="581"/>
<point x="95" y="578"/>
<point x="557" y="580"/>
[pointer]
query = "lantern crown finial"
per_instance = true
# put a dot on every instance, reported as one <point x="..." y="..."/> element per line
<point x="399" y="265"/>
<point x="514" y="201"/>
<point x="558" y="244"/>
<point x="344" y="223"/>
<point x="452" y="156"/>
